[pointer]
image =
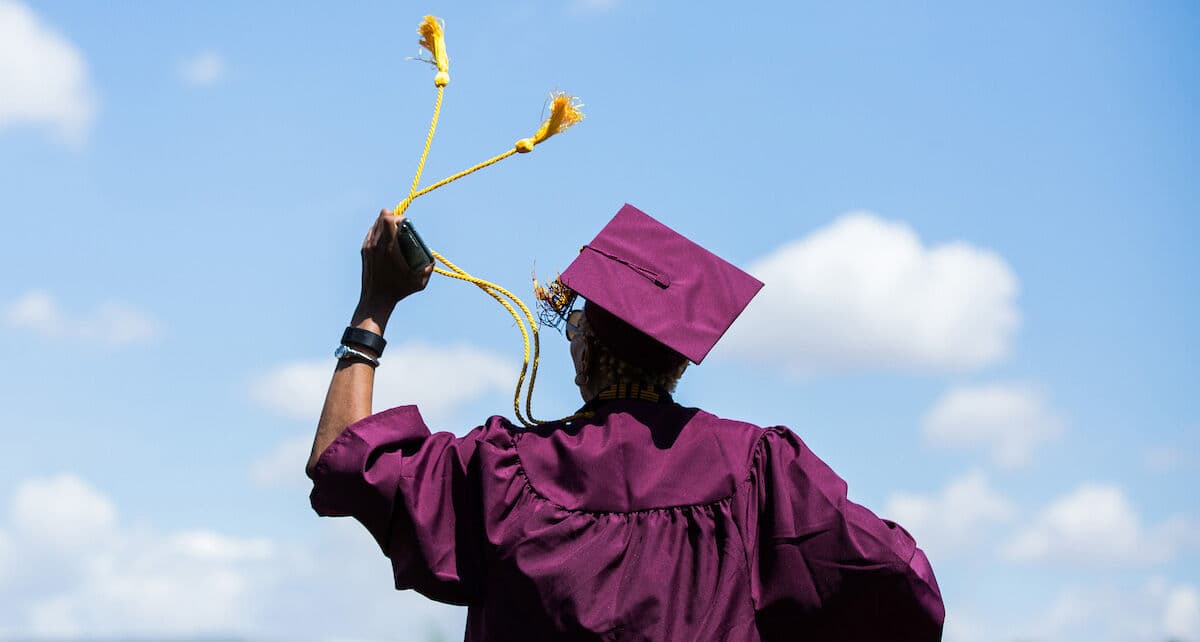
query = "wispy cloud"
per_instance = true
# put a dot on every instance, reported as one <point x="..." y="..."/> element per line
<point x="414" y="371"/>
<point x="204" y="69"/>
<point x="1096" y="525"/>
<point x="864" y="293"/>
<point x="284" y="465"/>
<point x="1009" y="420"/>
<point x="955" y="520"/>
<point x="111" y="323"/>
<point x="1181" y="617"/>
<point x="1154" y="611"/>
<point x="43" y="77"/>
<point x="63" y="512"/>
<point x="71" y="568"/>
<point x="85" y="574"/>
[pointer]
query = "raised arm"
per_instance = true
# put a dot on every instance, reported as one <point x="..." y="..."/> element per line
<point x="386" y="280"/>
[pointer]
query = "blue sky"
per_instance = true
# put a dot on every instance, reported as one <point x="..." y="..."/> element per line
<point x="975" y="225"/>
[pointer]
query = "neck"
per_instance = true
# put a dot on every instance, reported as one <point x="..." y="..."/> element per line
<point x="595" y="385"/>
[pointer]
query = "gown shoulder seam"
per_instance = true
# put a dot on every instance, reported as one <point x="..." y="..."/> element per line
<point x="515" y="439"/>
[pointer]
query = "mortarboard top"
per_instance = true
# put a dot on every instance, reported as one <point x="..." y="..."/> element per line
<point x="661" y="283"/>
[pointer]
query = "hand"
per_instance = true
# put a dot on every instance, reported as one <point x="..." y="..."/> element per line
<point x="386" y="277"/>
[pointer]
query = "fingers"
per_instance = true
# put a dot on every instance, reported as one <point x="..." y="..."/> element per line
<point x="420" y="279"/>
<point x="382" y="231"/>
<point x="388" y="225"/>
<point x="390" y="217"/>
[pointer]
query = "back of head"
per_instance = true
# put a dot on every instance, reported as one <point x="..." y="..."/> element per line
<point x="624" y="354"/>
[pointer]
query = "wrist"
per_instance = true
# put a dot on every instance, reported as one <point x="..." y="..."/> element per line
<point x="372" y="315"/>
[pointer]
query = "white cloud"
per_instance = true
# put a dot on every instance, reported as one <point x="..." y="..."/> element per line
<point x="144" y="583"/>
<point x="284" y="466"/>
<point x="149" y="584"/>
<point x="357" y="601"/>
<point x="865" y="293"/>
<point x="36" y="311"/>
<point x="1010" y="420"/>
<point x="961" y="624"/>
<point x="43" y="76"/>
<point x="203" y="69"/>
<point x="111" y="323"/>
<point x="1095" y="525"/>
<point x="954" y="521"/>
<point x="1108" y="609"/>
<point x="440" y="378"/>
<point x="1181" y="617"/>
<point x="1153" y="612"/>
<point x="62" y="512"/>
<point x="1098" y="613"/>
<point x="119" y="324"/>
<point x="84" y="574"/>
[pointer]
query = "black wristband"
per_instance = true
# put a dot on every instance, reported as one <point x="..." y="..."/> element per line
<point x="365" y="338"/>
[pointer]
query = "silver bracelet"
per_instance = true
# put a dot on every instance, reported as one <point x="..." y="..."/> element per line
<point x="346" y="352"/>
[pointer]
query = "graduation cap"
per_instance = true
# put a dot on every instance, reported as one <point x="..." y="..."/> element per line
<point x="649" y="287"/>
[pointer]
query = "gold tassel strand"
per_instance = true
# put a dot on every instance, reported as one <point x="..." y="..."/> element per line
<point x="564" y="112"/>
<point x="433" y="39"/>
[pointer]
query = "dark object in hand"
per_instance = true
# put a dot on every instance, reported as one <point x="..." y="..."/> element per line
<point x="412" y="248"/>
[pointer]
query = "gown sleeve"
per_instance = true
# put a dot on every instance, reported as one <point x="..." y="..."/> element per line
<point x="825" y="568"/>
<point x="413" y="491"/>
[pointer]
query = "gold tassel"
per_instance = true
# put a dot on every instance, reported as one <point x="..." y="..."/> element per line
<point x="433" y="38"/>
<point x="555" y="295"/>
<point x="564" y="112"/>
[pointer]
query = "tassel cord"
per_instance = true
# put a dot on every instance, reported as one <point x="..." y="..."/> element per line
<point x="433" y="123"/>
<point x="564" y="113"/>
<point x="527" y="366"/>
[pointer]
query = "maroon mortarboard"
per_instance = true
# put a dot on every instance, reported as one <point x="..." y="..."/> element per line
<point x="660" y="283"/>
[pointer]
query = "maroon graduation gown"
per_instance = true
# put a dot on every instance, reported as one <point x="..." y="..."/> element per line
<point x="650" y="521"/>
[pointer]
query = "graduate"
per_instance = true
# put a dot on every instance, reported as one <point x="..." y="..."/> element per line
<point x="635" y="519"/>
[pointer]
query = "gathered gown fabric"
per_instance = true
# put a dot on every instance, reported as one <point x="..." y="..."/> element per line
<point x="648" y="521"/>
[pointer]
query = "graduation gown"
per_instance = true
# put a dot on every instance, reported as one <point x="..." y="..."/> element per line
<point x="649" y="521"/>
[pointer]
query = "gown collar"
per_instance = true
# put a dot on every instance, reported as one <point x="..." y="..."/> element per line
<point x="630" y="391"/>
